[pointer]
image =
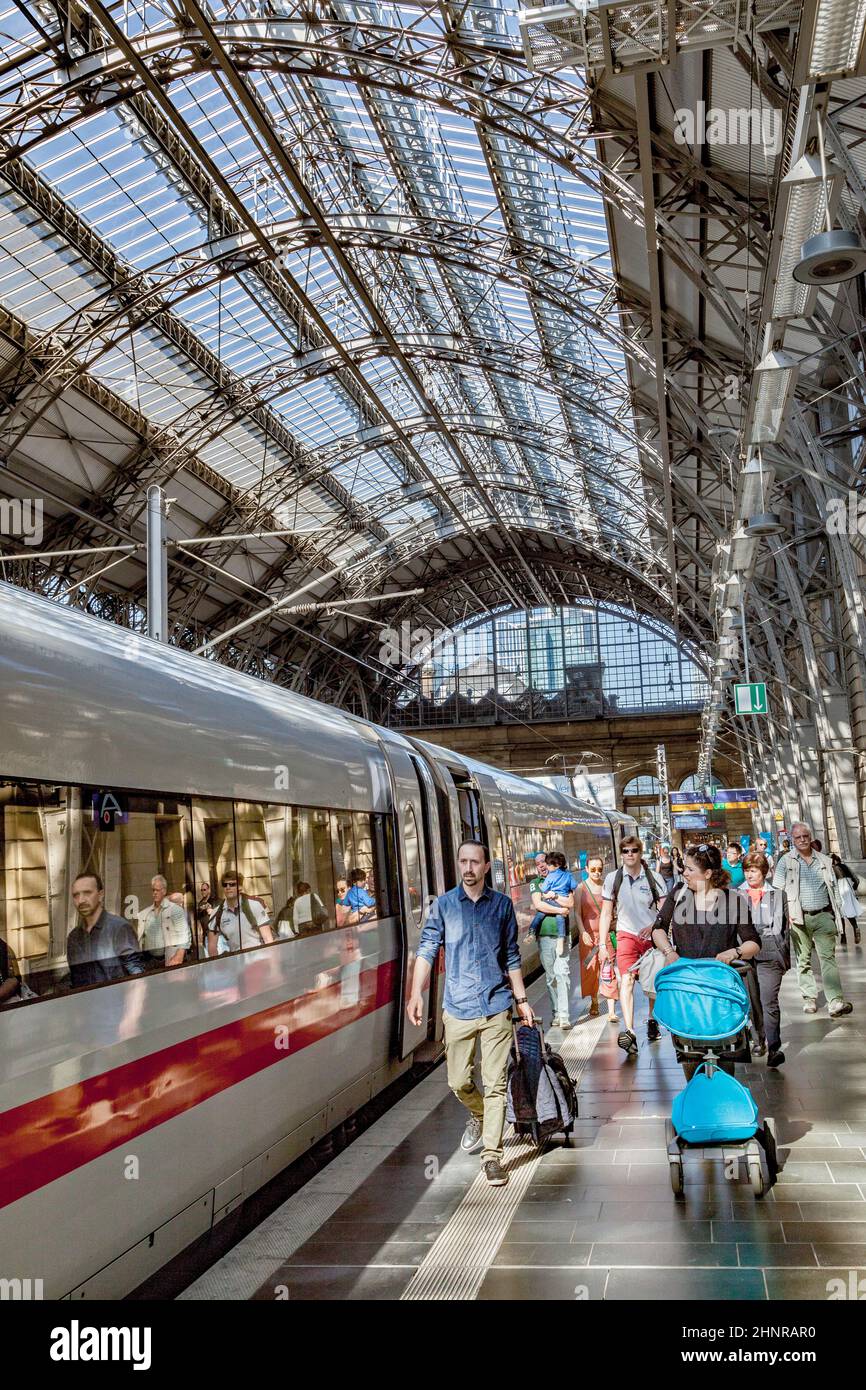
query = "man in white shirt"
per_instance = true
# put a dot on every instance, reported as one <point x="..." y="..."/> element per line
<point x="239" y="922"/>
<point x="641" y="893"/>
<point x="165" y="933"/>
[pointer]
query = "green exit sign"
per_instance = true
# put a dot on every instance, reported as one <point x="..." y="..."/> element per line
<point x="751" y="699"/>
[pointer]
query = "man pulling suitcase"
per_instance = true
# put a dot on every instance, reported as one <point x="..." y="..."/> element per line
<point x="482" y="980"/>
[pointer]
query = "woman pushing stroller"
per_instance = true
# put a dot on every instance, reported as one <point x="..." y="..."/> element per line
<point x="706" y="919"/>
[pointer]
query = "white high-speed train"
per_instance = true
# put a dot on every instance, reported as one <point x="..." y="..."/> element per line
<point x="137" y="1113"/>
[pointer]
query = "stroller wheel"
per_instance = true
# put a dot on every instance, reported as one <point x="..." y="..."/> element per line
<point x="756" y="1176"/>
<point x="677" y="1178"/>
<point x="769" y="1142"/>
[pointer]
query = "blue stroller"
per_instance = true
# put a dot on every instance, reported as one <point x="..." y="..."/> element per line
<point x="704" y="1004"/>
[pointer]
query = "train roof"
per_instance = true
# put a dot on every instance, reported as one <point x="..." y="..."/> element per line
<point x="88" y="702"/>
<point x="519" y="790"/>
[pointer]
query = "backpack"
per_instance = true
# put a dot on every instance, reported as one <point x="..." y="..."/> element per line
<point x="214" y="923"/>
<point x="617" y="884"/>
<point x="541" y="1097"/>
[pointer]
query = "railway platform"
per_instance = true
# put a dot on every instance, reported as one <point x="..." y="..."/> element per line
<point x="402" y="1214"/>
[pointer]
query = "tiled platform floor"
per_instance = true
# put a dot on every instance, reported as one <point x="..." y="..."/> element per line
<point x="598" y="1219"/>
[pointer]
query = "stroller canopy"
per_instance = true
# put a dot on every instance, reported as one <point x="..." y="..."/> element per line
<point x="702" y="999"/>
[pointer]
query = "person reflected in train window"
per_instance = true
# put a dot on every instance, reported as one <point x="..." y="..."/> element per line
<point x="102" y="947"/>
<point x="359" y="899"/>
<point x="165" y="932"/>
<point x="240" y="922"/>
<point x="308" y="911"/>
<point x="10" y="975"/>
<point x="343" y="912"/>
<point x="204" y="906"/>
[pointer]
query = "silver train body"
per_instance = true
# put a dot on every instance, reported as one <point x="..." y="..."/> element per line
<point x="136" y="1115"/>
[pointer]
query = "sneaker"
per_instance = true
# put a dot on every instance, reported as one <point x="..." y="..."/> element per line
<point x="565" y="1024"/>
<point x="775" y="1059"/>
<point x="653" y="1032"/>
<point x="472" y="1140"/>
<point x="628" y="1042"/>
<point x="810" y="1006"/>
<point x="495" y="1173"/>
<point x="612" y="1018"/>
<point x="840" y="1007"/>
<point x="759" y="1048"/>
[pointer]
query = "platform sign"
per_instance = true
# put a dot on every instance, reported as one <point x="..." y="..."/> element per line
<point x="735" y="798"/>
<point x="690" y="822"/>
<point x="751" y="699"/>
<point x="688" y="803"/>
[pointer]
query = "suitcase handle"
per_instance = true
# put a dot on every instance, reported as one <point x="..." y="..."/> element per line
<point x="514" y="1028"/>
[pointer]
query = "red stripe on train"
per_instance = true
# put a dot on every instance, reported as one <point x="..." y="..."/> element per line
<point x="49" y="1137"/>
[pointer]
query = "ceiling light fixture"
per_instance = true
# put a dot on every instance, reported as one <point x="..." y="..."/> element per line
<point x="837" y="39"/>
<point x="835" y="254"/>
<point x="776" y="377"/>
<point x="811" y="193"/>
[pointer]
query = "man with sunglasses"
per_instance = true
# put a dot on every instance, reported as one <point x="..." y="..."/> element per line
<point x="240" y="922"/>
<point x="637" y="900"/>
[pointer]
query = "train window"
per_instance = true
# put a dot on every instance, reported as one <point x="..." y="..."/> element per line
<point x="146" y="863"/>
<point x="256" y="891"/>
<point x="412" y="851"/>
<point x="386" y="867"/>
<point x="311" y="906"/>
<point x="232" y="915"/>
<point x="71" y="857"/>
<point x="357" y="891"/>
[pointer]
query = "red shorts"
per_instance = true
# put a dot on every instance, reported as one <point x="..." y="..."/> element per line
<point x="629" y="949"/>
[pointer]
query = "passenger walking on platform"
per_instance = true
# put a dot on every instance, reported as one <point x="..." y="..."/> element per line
<point x="102" y="947"/>
<point x="551" y="927"/>
<point x="733" y="864"/>
<point x="667" y="869"/>
<point x="768" y="918"/>
<point x="557" y="885"/>
<point x="761" y="848"/>
<point x="589" y="906"/>
<point x="848" y="883"/>
<point x="483" y="979"/>
<point x="814" y="912"/>
<point x="636" y="892"/>
<point x="708" y="919"/>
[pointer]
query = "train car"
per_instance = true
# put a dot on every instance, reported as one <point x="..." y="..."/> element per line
<point x="264" y="862"/>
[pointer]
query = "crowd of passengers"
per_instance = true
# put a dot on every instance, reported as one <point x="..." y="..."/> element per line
<point x="738" y="909"/>
<point x="103" y="946"/>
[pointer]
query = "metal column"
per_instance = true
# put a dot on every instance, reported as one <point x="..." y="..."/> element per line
<point x="157" y="565"/>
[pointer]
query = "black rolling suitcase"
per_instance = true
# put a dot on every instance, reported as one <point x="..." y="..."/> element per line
<point x="541" y="1097"/>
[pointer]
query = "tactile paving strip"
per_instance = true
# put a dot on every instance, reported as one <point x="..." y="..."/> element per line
<point x="455" y="1267"/>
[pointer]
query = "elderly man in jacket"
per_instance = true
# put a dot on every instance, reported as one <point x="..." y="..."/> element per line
<point x="814" y="912"/>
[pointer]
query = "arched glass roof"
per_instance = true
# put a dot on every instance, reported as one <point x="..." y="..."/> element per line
<point x="545" y="663"/>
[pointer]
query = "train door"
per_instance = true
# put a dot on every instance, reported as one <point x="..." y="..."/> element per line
<point x="419" y="873"/>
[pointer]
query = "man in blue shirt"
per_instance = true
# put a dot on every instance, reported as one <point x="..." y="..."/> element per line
<point x="482" y="978"/>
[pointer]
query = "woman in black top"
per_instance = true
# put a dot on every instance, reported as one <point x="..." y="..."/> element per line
<point x="707" y="919"/>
